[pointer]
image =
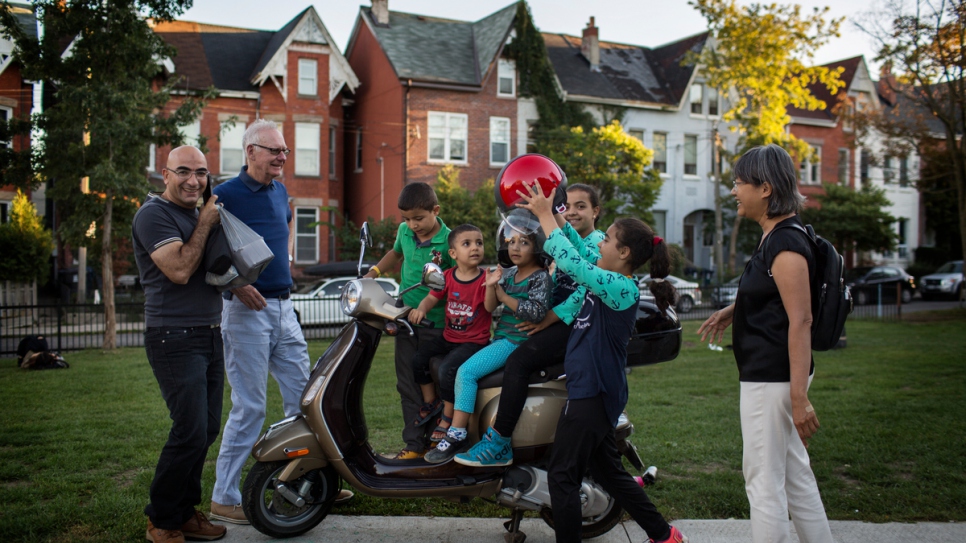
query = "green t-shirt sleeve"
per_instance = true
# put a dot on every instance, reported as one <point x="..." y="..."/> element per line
<point x="397" y="246"/>
<point x="617" y="291"/>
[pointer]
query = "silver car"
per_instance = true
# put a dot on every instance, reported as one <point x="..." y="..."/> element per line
<point x="318" y="303"/>
<point x="946" y="282"/>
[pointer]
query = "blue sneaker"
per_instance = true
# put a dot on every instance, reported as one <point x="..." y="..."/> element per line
<point x="493" y="450"/>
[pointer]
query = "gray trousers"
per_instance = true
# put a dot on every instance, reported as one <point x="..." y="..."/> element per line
<point x="410" y="395"/>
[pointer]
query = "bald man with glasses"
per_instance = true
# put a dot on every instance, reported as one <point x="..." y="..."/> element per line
<point x="182" y="337"/>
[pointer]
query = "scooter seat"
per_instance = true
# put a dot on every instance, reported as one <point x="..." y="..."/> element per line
<point x="495" y="379"/>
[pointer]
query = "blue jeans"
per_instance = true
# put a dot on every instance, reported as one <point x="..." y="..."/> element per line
<point x="189" y="365"/>
<point x="256" y="343"/>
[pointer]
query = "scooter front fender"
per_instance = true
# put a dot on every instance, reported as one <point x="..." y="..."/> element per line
<point x="290" y="439"/>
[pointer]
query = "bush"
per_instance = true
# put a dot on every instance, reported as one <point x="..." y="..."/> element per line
<point x="25" y="245"/>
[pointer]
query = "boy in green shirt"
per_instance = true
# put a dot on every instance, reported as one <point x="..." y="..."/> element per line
<point x="422" y="237"/>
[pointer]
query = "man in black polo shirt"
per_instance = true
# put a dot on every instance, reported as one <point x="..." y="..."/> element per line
<point x="182" y="337"/>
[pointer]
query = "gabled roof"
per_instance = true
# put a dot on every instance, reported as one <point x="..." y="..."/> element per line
<point x="436" y="50"/>
<point x="819" y="90"/>
<point x="628" y="73"/>
<point x="242" y="59"/>
<point x="25" y="16"/>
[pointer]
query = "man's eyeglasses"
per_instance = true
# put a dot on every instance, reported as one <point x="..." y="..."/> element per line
<point x="184" y="173"/>
<point x="275" y="151"/>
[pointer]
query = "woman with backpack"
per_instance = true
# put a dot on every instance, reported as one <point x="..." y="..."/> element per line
<point x="772" y="317"/>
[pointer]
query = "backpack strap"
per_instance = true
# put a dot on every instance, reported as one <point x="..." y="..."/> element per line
<point x="808" y="231"/>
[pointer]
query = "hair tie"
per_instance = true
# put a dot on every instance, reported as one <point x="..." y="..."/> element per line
<point x="657" y="239"/>
<point x="657" y="279"/>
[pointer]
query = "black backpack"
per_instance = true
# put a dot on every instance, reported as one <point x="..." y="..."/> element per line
<point x="831" y="299"/>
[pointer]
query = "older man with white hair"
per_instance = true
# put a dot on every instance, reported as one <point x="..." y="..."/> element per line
<point x="260" y="330"/>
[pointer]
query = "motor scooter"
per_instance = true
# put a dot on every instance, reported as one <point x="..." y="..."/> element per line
<point x="301" y="459"/>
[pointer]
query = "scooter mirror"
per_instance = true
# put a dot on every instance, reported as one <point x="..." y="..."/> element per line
<point x="433" y="276"/>
<point x="365" y="237"/>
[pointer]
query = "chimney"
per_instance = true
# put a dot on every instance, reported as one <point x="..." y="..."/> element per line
<point x="590" y="46"/>
<point x="886" y="86"/>
<point x="380" y="12"/>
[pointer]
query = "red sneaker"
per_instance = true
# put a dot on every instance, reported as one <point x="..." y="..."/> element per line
<point x="676" y="537"/>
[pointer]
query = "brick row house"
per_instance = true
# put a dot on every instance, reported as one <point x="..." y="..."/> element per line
<point x="435" y="92"/>
<point x="840" y="158"/>
<point x="668" y="107"/>
<point x="295" y="76"/>
<point x="18" y="99"/>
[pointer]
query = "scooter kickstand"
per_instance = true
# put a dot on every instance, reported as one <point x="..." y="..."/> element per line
<point x="514" y="535"/>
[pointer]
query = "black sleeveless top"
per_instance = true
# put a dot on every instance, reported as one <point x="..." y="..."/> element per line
<point x="760" y="327"/>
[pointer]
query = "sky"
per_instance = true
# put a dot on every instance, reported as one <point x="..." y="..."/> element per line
<point x="638" y="22"/>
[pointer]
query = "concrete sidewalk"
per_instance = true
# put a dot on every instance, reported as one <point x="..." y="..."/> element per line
<point x="346" y="529"/>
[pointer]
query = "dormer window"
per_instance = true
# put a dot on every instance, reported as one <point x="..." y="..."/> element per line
<point x="308" y="77"/>
<point x="507" y="78"/>
<point x="697" y="97"/>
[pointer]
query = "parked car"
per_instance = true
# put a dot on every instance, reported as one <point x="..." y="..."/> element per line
<point x="687" y="296"/>
<point x="724" y="295"/>
<point x="946" y="282"/>
<point x="865" y="282"/>
<point x="318" y="303"/>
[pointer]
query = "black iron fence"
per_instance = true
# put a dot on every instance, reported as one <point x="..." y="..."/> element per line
<point x="72" y="327"/>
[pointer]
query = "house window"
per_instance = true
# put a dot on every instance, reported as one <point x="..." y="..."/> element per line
<point x="332" y="152"/>
<point x="660" y="223"/>
<point x="864" y="160"/>
<point x="232" y="152"/>
<point x="713" y="102"/>
<point x="660" y="151"/>
<point x="904" y="171"/>
<point x="499" y="140"/>
<point x="191" y="133"/>
<point x="903" y="242"/>
<point x="888" y="170"/>
<point x="697" y="97"/>
<point x="306" y="235"/>
<point x="5" y="115"/>
<point x="359" y="150"/>
<point x="531" y="138"/>
<point x="447" y="136"/>
<point x="152" y="157"/>
<point x="690" y="155"/>
<point x="308" y="77"/>
<point x="307" y="148"/>
<point x="811" y="170"/>
<point x="844" y="167"/>
<point x="636" y="134"/>
<point x="507" y="77"/>
<point x="4" y="212"/>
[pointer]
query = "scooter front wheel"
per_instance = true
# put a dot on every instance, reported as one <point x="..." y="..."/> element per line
<point x="287" y="509"/>
<point x="592" y="526"/>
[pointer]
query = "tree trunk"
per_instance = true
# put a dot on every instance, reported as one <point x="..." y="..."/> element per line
<point x="733" y="250"/>
<point x="107" y="272"/>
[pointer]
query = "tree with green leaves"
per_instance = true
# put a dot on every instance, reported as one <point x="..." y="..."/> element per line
<point x="25" y="244"/>
<point x="458" y="206"/>
<point x="613" y="162"/>
<point x="106" y="111"/>
<point x="760" y="56"/>
<point x="924" y="43"/>
<point x="853" y="218"/>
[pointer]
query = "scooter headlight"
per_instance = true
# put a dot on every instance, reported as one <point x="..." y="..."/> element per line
<point x="351" y="294"/>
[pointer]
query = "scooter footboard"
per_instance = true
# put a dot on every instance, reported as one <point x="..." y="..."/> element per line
<point x="290" y="439"/>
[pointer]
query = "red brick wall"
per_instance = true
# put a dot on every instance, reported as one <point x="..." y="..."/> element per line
<point x="479" y="107"/>
<point x="832" y="139"/>
<point x="379" y="113"/>
<point x="18" y="96"/>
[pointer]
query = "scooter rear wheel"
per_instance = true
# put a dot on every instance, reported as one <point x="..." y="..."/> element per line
<point x="595" y="526"/>
<point x="273" y="514"/>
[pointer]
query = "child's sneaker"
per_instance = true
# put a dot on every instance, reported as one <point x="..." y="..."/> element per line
<point x="676" y="537"/>
<point x="454" y="442"/>
<point x="492" y="451"/>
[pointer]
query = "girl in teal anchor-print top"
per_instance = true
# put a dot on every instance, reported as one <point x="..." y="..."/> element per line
<point x="596" y="355"/>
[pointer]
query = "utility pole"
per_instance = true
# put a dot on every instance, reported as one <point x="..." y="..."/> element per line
<point x="716" y="183"/>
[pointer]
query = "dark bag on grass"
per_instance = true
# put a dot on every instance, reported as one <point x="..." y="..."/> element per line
<point x="831" y="299"/>
<point x="33" y="353"/>
<point x="31" y="344"/>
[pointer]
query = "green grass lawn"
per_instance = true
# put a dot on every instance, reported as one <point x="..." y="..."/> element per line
<point x="78" y="447"/>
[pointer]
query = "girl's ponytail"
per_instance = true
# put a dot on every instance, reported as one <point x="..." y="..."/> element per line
<point x="645" y="247"/>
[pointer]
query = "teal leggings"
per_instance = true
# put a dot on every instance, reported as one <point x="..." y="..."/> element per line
<point x="484" y="362"/>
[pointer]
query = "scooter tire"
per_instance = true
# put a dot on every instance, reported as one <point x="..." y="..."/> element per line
<point x="273" y="515"/>
<point x="594" y="527"/>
